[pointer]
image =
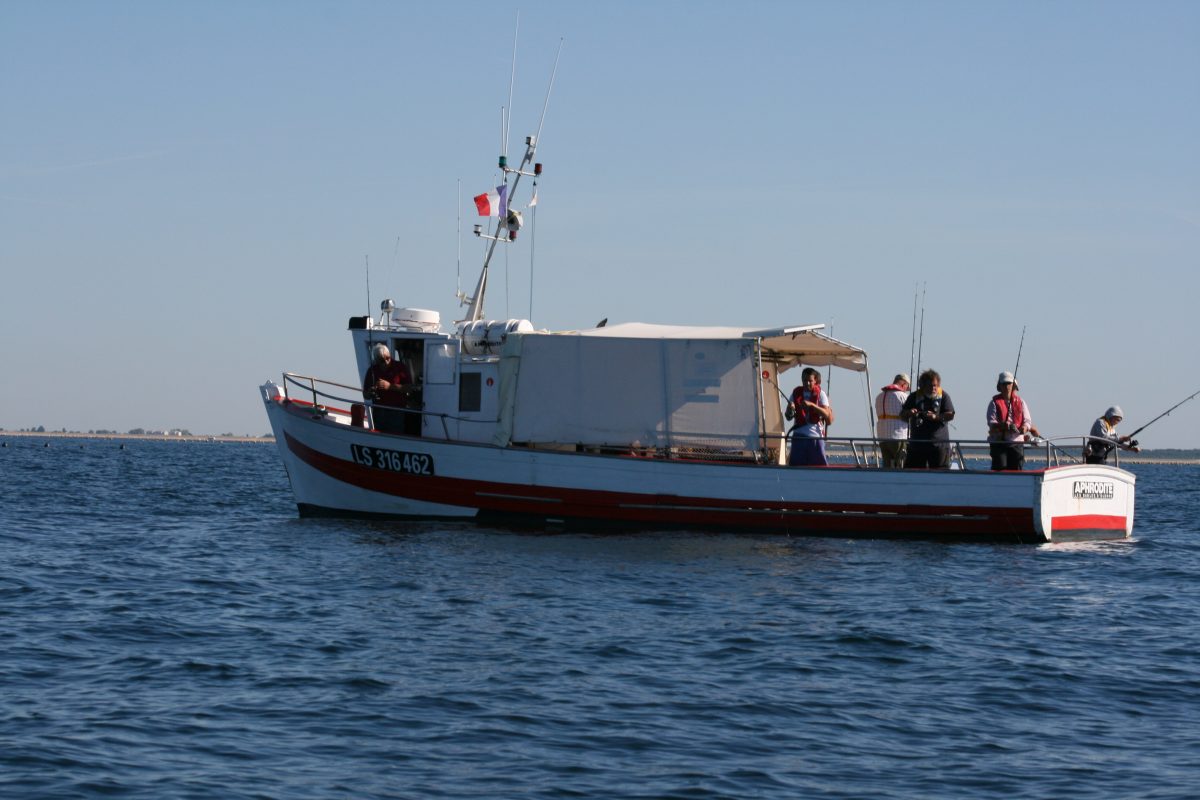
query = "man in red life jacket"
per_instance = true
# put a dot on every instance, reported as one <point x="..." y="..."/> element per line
<point x="810" y="407"/>
<point x="1008" y="421"/>
<point x="890" y="430"/>
<point x="389" y="385"/>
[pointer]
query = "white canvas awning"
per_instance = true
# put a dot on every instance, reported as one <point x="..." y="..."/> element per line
<point x="616" y="390"/>
<point x="789" y="346"/>
<point x="659" y="386"/>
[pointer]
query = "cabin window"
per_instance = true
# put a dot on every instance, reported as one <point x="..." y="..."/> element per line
<point x="440" y="359"/>
<point x="469" y="392"/>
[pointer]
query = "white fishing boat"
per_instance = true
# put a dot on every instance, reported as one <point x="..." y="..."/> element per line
<point x="638" y="426"/>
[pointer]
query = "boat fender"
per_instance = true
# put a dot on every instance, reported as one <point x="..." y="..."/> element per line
<point x="474" y="337"/>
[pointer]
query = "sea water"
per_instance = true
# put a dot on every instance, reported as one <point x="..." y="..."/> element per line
<point x="170" y="628"/>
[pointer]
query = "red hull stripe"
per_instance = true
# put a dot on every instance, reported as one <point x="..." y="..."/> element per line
<point x="557" y="502"/>
<point x="1098" y="522"/>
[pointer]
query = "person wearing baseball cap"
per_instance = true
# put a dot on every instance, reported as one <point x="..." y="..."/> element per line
<point x="1008" y="420"/>
<point x="890" y="430"/>
<point x="1104" y="431"/>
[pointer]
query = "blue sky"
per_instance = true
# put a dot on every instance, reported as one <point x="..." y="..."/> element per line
<point x="188" y="191"/>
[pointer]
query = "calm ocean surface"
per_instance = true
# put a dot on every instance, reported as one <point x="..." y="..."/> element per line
<point x="170" y="628"/>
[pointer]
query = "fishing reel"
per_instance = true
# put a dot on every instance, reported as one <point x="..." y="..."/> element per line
<point x="1132" y="443"/>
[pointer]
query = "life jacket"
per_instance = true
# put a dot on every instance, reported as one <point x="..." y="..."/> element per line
<point x="805" y="416"/>
<point x="1101" y="449"/>
<point x="1017" y="410"/>
<point x="891" y="387"/>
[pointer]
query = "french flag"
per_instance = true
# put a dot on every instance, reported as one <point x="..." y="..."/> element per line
<point x="493" y="204"/>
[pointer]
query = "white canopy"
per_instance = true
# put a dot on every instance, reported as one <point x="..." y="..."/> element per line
<point x="789" y="346"/>
<point x="657" y="386"/>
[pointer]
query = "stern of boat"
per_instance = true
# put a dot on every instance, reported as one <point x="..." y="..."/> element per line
<point x="1086" y="502"/>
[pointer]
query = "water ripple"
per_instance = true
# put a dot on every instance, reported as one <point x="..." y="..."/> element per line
<point x="176" y="630"/>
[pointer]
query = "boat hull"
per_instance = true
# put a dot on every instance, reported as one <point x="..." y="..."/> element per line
<point x="339" y="470"/>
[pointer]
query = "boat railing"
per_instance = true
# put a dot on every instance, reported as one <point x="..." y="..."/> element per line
<point x="309" y="385"/>
<point x="861" y="452"/>
<point x="322" y="399"/>
<point x="1105" y="446"/>
<point x="865" y="452"/>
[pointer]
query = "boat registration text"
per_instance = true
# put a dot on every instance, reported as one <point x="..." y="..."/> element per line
<point x="392" y="460"/>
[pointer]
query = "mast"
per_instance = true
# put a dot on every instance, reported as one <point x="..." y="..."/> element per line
<point x="510" y="221"/>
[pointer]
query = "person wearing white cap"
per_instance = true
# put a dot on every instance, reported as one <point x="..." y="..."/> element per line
<point x="1008" y="420"/>
<point x="890" y="430"/>
<point x="1104" y="430"/>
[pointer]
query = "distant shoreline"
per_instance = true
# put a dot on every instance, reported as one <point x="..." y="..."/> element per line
<point x="154" y="437"/>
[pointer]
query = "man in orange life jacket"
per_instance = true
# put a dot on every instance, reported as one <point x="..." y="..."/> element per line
<point x="890" y="430"/>
<point x="1008" y="421"/>
<point x="810" y="406"/>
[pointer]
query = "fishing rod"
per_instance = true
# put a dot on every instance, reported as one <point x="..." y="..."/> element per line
<point x="1020" y="347"/>
<point x="829" y="369"/>
<point x="767" y="375"/>
<point x="912" y="348"/>
<point x="921" y="341"/>
<point x="1165" y="413"/>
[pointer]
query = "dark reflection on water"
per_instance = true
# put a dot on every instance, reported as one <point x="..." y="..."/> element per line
<point x="170" y="627"/>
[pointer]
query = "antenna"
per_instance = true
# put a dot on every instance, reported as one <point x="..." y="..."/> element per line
<point x="545" y="105"/>
<point x="533" y="200"/>
<point x="532" y="245"/>
<point x="512" y="78"/>
<point x="396" y="263"/>
<point x="367" y="259"/>
<point x="458" y="271"/>
<point x="511" y="219"/>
